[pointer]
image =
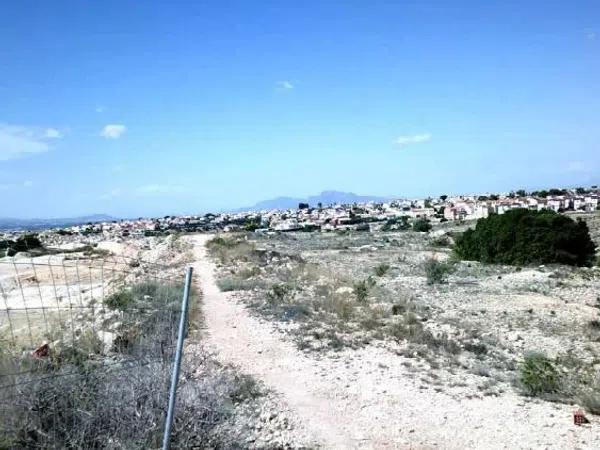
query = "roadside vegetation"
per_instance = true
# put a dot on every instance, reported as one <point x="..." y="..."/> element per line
<point x="105" y="384"/>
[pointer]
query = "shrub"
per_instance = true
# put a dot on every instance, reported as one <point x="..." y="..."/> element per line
<point x="24" y="243"/>
<point x="521" y="237"/>
<point x="382" y="269"/>
<point x="27" y="242"/>
<point x="422" y="225"/>
<point x="119" y="300"/>
<point x="436" y="271"/>
<point x="361" y="291"/>
<point x="396" y="223"/>
<point x="441" y="241"/>
<point x="538" y="375"/>
<point x="219" y="241"/>
<point x="278" y="293"/>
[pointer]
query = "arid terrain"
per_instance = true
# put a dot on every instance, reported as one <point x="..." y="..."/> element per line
<point x="374" y="350"/>
<point x="341" y="339"/>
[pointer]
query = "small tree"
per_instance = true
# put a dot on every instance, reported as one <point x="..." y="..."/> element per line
<point x="521" y="236"/>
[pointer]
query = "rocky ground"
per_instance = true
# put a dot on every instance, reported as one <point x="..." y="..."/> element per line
<point x="349" y="296"/>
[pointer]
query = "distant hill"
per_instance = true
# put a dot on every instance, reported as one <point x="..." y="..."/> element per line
<point x="325" y="197"/>
<point x="41" y="224"/>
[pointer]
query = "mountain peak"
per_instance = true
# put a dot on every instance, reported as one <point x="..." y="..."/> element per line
<point x="325" y="198"/>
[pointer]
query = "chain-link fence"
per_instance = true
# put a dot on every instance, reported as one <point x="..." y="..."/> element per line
<point x="87" y="349"/>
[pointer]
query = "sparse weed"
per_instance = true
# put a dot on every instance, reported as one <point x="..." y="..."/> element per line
<point x="437" y="272"/>
<point x="237" y="284"/>
<point x="382" y="269"/>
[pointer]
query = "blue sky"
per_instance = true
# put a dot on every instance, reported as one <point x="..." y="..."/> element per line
<point x="148" y="108"/>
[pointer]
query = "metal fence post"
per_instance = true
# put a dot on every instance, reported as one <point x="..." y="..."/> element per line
<point x="177" y="362"/>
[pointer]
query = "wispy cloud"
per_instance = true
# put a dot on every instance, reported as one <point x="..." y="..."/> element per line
<point x="17" y="141"/>
<point x="403" y="141"/>
<point x="113" y="131"/>
<point x="53" y="133"/>
<point x="590" y="35"/>
<point x="100" y="109"/>
<point x="157" y="189"/>
<point x="111" y="194"/>
<point x="285" y="85"/>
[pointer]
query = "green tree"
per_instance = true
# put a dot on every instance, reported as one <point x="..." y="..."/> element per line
<point x="521" y="236"/>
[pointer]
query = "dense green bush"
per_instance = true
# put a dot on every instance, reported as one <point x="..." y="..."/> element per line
<point x="522" y="237"/>
<point x="422" y="225"/>
<point x="23" y="243"/>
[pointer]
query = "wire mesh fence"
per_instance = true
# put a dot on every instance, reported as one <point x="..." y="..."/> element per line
<point x="86" y="351"/>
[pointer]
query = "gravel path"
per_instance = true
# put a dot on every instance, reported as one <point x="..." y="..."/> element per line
<point x="367" y="398"/>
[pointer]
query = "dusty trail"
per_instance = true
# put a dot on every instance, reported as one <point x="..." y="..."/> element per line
<point x="242" y="340"/>
<point x="365" y="398"/>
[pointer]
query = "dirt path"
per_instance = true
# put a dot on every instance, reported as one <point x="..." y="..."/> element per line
<point x="367" y="399"/>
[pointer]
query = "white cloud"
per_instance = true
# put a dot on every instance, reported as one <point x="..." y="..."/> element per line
<point x="100" y="109"/>
<point x="153" y="189"/>
<point x="113" y="131"/>
<point x="17" y="141"/>
<point x="285" y="85"/>
<point x="590" y="35"/>
<point x="416" y="139"/>
<point x="118" y="168"/>
<point x="53" y="133"/>
<point x="27" y="183"/>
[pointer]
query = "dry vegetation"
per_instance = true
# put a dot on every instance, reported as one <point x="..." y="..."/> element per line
<point x="102" y="379"/>
<point x="534" y="330"/>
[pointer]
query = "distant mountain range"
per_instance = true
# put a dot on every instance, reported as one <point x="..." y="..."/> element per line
<point x="325" y="197"/>
<point x="41" y="224"/>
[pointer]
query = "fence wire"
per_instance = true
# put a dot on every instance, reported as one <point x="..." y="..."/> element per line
<point x="86" y="351"/>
